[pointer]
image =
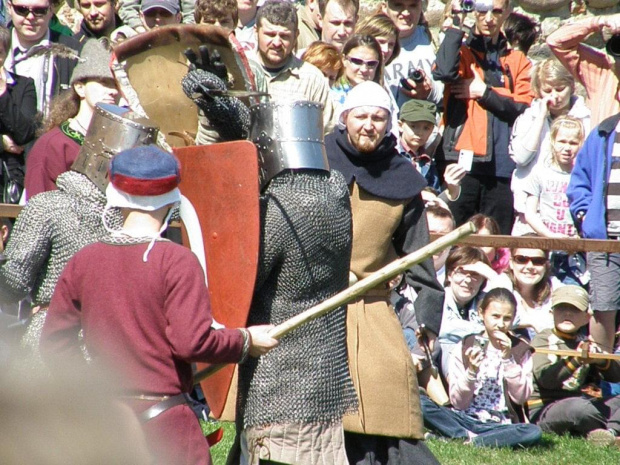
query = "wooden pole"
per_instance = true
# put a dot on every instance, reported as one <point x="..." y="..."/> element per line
<point x="359" y="288"/>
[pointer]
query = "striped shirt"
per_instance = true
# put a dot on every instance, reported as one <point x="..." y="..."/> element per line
<point x="613" y="192"/>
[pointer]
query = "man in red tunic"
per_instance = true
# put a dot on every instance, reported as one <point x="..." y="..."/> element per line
<point x="143" y="306"/>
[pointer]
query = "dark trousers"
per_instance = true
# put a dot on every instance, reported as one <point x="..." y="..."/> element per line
<point x="457" y="424"/>
<point x="364" y="449"/>
<point x="579" y="415"/>
<point x="488" y="195"/>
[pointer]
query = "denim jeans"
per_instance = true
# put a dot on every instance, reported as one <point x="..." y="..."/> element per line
<point x="457" y="424"/>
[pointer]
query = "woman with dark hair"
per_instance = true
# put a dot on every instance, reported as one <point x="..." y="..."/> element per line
<point x="65" y="128"/>
<point x="18" y="109"/>
<point x="362" y="60"/>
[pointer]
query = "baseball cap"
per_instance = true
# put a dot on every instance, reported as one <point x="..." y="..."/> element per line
<point x="171" y="6"/>
<point x="571" y="294"/>
<point x="418" y="110"/>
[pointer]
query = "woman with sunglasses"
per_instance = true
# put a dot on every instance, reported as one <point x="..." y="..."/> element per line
<point x="530" y="279"/>
<point x="467" y="272"/>
<point x="362" y="60"/>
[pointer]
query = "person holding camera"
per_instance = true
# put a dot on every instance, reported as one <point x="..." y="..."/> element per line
<point x="487" y="88"/>
<point x="597" y="71"/>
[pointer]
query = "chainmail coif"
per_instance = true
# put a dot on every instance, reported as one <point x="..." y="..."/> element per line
<point x="51" y="228"/>
<point x="304" y="259"/>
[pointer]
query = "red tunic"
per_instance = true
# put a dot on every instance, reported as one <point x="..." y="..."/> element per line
<point x="51" y="155"/>
<point x="149" y="322"/>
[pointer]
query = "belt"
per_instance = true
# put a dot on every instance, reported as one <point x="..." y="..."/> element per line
<point x="160" y="407"/>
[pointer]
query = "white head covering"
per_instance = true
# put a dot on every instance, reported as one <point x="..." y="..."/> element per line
<point x="365" y="94"/>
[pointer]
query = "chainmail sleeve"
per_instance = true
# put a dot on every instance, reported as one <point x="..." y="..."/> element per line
<point x="304" y="259"/>
<point x="27" y="250"/>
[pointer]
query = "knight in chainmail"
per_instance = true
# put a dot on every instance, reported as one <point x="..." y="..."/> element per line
<point x="54" y="225"/>
<point x="293" y="399"/>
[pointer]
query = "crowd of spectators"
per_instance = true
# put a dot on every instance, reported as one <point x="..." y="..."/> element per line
<point x="505" y="141"/>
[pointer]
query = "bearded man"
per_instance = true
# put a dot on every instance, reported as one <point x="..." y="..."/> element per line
<point x="388" y="222"/>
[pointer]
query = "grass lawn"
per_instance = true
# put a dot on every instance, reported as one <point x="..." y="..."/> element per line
<point x="553" y="450"/>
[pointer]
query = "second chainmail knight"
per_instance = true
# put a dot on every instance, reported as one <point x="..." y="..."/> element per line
<point x="48" y="232"/>
<point x="304" y="259"/>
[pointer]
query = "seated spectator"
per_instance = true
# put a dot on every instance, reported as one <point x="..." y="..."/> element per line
<point x="498" y="256"/>
<point x="18" y="107"/>
<point x="529" y="277"/>
<point x="56" y="150"/>
<point x="362" y="60"/>
<point x="490" y="375"/>
<point x="521" y="31"/>
<point x="558" y="404"/>
<point x="546" y="206"/>
<point x="222" y="13"/>
<point x="554" y="89"/>
<point x="326" y="57"/>
<point x="467" y="271"/>
<point x="440" y="221"/>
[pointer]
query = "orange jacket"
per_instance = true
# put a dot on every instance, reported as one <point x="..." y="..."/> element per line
<point x="469" y="124"/>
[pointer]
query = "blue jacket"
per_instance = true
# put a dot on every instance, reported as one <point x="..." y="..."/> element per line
<point x="587" y="188"/>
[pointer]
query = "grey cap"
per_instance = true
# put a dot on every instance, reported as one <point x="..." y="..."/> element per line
<point x="94" y="62"/>
<point x="172" y="6"/>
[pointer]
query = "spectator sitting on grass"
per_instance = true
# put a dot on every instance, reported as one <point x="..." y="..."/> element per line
<point x="557" y="403"/>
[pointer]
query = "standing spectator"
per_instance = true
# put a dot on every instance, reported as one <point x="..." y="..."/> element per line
<point x="521" y="31"/>
<point x="288" y="77"/>
<point x="222" y="13"/>
<point x="246" y="31"/>
<point x="416" y="53"/>
<point x="309" y="14"/>
<point x="100" y="19"/>
<point x="326" y="57"/>
<point x="129" y="12"/>
<point x="338" y="19"/>
<point x="18" y="107"/>
<point x="361" y="61"/>
<point x="530" y="147"/>
<point x="557" y="404"/>
<point x="546" y="206"/>
<point x="489" y="87"/>
<point x="594" y="69"/>
<point x="156" y="13"/>
<point x="595" y="207"/>
<point x="498" y="256"/>
<point x="56" y="150"/>
<point x="31" y="28"/>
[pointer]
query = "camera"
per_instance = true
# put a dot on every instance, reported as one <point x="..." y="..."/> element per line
<point x="481" y="343"/>
<point x="613" y="46"/>
<point x="467" y="5"/>
<point x="415" y="75"/>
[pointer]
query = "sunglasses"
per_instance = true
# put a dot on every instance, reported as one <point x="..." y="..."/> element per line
<point x="359" y="62"/>
<point x="536" y="261"/>
<point x="37" y="11"/>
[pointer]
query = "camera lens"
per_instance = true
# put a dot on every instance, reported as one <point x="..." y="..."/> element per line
<point x="613" y="46"/>
<point x="467" y="5"/>
<point x="416" y="75"/>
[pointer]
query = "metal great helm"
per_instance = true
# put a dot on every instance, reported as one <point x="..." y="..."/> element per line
<point x="111" y="130"/>
<point x="288" y="135"/>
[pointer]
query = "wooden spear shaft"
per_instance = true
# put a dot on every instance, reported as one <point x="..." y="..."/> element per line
<point x="359" y="288"/>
